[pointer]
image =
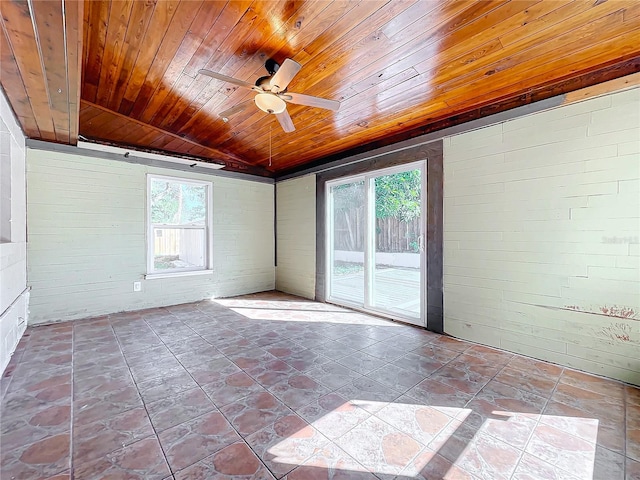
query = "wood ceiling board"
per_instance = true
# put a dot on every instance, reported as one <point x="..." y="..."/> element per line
<point x="160" y="22"/>
<point x="617" y="71"/>
<point x="11" y="81"/>
<point x="101" y="124"/>
<point x="155" y="69"/>
<point x="395" y="102"/>
<point x="244" y="65"/>
<point x="398" y="67"/>
<point x="18" y="28"/>
<point x="41" y="65"/>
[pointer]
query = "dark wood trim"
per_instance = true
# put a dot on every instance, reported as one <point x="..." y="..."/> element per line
<point x="73" y="150"/>
<point x="433" y="153"/>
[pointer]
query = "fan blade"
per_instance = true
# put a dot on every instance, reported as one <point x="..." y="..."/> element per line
<point x="285" y="121"/>
<point x="309" y="101"/>
<point x="284" y="75"/>
<point x="233" y="110"/>
<point x="224" y="78"/>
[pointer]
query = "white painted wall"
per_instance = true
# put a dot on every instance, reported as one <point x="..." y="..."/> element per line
<point x="542" y="235"/>
<point x="296" y="236"/>
<point x="13" y="247"/>
<point x="87" y="238"/>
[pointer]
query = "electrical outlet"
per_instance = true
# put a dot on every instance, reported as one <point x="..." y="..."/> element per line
<point x="137" y="286"/>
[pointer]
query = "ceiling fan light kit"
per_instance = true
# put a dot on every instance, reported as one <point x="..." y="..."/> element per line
<point x="270" y="103"/>
<point x="271" y="93"/>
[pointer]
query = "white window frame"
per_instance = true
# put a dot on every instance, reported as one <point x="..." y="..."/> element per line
<point x="208" y="267"/>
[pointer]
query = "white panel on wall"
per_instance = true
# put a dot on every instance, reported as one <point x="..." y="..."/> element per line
<point x="87" y="238"/>
<point x="13" y="249"/>
<point x="296" y="236"/>
<point x="542" y="232"/>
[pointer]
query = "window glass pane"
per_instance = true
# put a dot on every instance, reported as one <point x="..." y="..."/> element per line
<point x="347" y="276"/>
<point x="176" y="203"/>
<point x="396" y="267"/>
<point x="178" y="248"/>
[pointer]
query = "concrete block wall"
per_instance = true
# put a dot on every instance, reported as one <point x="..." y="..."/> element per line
<point x="296" y="236"/>
<point x="542" y="235"/>
<point x="13" y="246"/>
<point x="87" y="238"/>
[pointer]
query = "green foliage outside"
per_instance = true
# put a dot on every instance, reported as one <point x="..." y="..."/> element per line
<point x="397" y="196"/>
<point x="174" y="203"/>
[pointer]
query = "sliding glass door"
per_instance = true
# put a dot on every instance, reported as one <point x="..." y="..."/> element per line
<point x="375" y="229"/>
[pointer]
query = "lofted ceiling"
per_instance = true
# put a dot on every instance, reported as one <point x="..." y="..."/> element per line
<point x="126" y="72"/>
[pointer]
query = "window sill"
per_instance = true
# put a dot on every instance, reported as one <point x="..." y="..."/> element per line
<point x="153" y="276"/>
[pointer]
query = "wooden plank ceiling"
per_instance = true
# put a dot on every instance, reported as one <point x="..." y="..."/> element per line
<point x="400" y="68"/>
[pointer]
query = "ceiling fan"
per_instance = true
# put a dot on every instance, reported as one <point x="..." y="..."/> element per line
<point x="272" y="95"/>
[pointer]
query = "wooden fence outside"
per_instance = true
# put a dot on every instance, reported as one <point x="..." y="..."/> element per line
<point x="392" y="234"/>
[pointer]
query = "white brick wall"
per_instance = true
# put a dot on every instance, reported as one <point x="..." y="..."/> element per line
<point x="541" y="230"/>
<point x="296" y="236"/>
<point x="13" y="263"/>
<point x="87" y="238"/>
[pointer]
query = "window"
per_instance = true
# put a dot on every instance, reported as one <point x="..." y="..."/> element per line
<point x="179" y="221"/>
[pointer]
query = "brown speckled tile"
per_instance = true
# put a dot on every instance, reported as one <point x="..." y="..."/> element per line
<point x="318" y="391"/>
<point x="361" y="362"/>
<point x="439" y="395"/>
<point x="429" y="465"/>
<point x="581" y="424"/>
<point x="368" y="394"/>
<point x="610" y="388"/>
<point x="254" y="412"/>
<point x="189" y="442"/>
<point x="168" y="385"/>
<point x="330" y="463"/>
<point x="179" y="408"/>
<point x="632" y="469"/>
<point x="333" y="415"/>
<point x="562" y="450"/>
<point x="142" y="460"/>
<point x="104" y="436"/>
<point x="529" y="382"/>
<point x="421" y="422"/>
<point x="41" y="459"/>
<point x="532" y="468"/>
<point x="231" y="388"/>
<point x="286" y="443"/>
<point x="93" y="408"/>
<point x="379" y="447"/>
<point x="236" y="462"/>
<point x="419" y="364"/>
<point x="485" y="457"/>
<point x="298" y="390"/>
<point x="396" y="378"/>
<point x="333" y="375"/>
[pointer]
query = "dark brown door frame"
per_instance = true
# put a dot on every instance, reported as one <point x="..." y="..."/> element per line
<point x="433" y="154"/>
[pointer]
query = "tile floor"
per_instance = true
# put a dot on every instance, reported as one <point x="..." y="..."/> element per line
<point x="270" y="385"/>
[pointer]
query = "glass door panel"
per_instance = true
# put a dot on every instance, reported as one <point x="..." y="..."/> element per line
<point x="347" y="256"/>
<point x="396" y="267"/>
<point x="375" y="240"/>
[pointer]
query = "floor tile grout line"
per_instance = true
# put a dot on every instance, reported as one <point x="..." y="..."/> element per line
<point x="624" y="428"/>
<point x="71" y="407"/>
<point x="538" y="421"/>
<point x="281" y="401"/>
<point x="548" y="399"/>
<point x="157" y="437"/>
<point x="206" y="413"/>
